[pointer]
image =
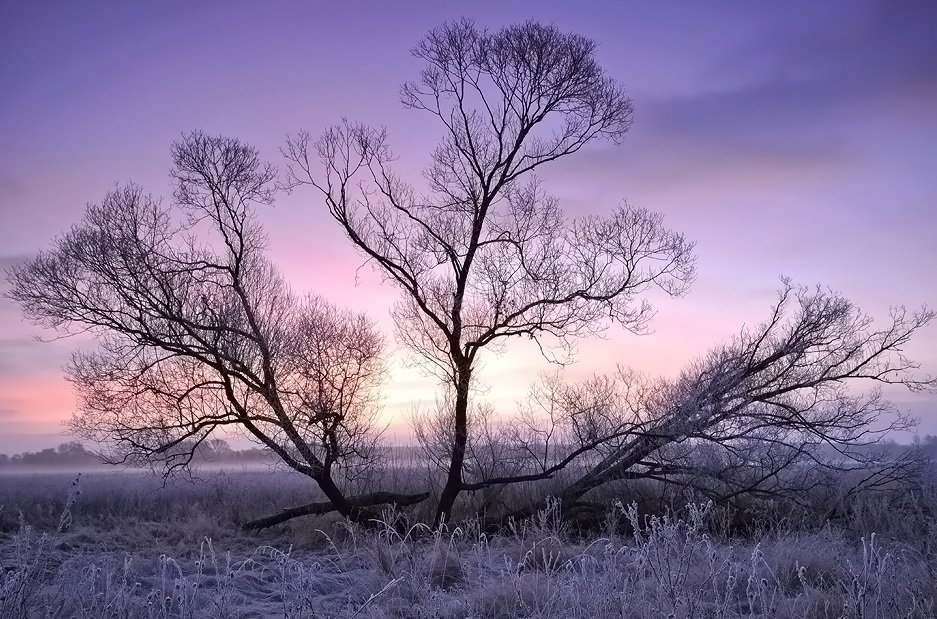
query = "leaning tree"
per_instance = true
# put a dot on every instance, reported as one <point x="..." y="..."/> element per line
<point x="482" y="253"/>
<point x="771" y="414"/>
<point x="196" y="331"/>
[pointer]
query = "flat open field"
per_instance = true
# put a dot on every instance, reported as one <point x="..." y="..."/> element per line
<point x="127" y="546"/>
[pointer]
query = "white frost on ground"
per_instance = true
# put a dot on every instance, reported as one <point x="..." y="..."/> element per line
<point x="121" y="561"/>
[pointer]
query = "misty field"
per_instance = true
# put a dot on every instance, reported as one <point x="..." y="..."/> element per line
<point x="126" y="545"/>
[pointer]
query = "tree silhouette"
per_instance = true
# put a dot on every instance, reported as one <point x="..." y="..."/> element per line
<point x="197" y="331"/>
<point x="769" y="414"/>
<point x="485" y="254"/>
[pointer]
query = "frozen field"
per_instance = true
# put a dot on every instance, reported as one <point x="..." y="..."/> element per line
<point x="128" y="547"/>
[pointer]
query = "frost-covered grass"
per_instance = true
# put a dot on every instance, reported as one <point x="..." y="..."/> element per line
<point x="126" y="548"/>
<point x="211" y="504"/>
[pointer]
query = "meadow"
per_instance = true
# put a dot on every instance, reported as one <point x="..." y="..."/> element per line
<point x="126" y="544"/>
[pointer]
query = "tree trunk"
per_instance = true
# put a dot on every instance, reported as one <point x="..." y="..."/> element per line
<point x="333" y="493"/>
<point x="460" y="436"/>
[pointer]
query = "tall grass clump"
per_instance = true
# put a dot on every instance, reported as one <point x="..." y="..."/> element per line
<point x="32" y="561"/>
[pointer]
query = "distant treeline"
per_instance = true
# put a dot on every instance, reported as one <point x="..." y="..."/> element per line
<point x="220" y="451"/>
<point x="75" y="454"/>
<point x="66" y="454"/>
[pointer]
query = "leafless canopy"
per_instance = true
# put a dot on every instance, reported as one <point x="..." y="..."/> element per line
<point x="484" y="253"/>
<point x="770" y="413"/>
<point x="196" y="330"/>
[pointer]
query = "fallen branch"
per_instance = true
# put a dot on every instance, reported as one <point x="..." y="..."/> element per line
<point x="324" y="507"/>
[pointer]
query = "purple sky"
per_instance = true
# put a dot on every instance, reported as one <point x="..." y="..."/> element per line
<point x="784" y="138"/>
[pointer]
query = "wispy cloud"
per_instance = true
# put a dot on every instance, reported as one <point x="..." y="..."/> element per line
<point x="25" y="356"/>
<point x="799" y="89"/>
<point x="9" y="260"/>
<point x="11" y="187"/>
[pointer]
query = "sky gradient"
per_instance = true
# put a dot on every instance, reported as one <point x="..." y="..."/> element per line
<point x="790" y="139"/>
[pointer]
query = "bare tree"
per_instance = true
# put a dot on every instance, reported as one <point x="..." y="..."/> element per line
<point x="768" y="414"/>
<point x="484" y="253"/>
<point x="197" y="331"/>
